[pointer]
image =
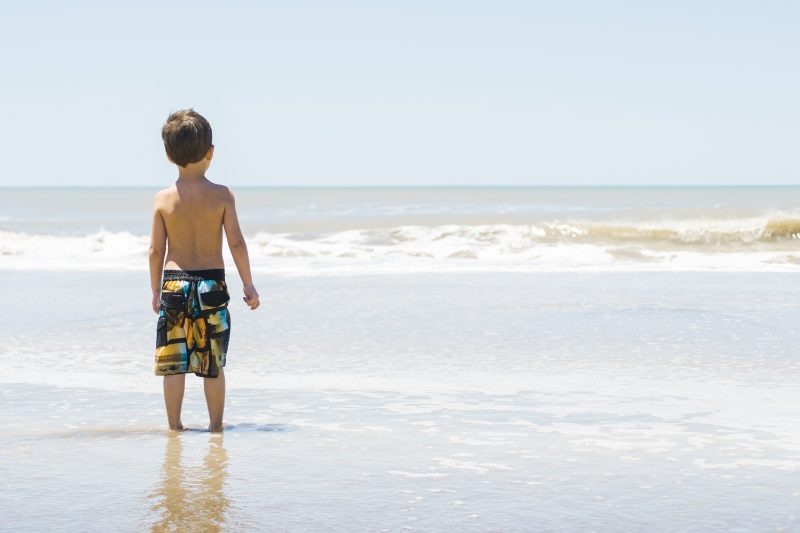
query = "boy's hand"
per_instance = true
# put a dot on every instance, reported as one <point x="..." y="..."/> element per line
<point x="156" y="302"/>
<point x="251" y="297"/>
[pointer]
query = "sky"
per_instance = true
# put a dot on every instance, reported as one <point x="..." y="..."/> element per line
<point x="405" y="93"/>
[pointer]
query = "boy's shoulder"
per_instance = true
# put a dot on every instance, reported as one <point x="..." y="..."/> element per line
<point x="162" y="196"/>
<point x="221" y="193"/>
<point x="166" y="191"/>
<point x="219" y="188"/>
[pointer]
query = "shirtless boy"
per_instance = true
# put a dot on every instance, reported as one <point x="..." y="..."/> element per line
<point x="192" y="298"/>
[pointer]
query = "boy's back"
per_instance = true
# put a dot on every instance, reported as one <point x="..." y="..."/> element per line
<point x="193" y="215"/>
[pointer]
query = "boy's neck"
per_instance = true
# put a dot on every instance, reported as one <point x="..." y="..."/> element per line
<point x="191" y="173"/>
<point x="190" y="177"/>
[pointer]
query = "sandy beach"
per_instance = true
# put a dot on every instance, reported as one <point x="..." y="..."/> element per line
<point x="475" y="402"/>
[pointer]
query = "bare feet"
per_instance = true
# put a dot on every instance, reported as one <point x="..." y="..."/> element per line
<point x="177" y="427"/>
<point x="216" y="429"/>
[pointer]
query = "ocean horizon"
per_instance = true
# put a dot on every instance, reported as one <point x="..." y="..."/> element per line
<point x="431" y="186"/>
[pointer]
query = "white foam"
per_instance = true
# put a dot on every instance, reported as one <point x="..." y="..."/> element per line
<point x="753" y="244"/>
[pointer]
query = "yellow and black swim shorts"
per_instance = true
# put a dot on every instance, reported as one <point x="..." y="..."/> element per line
<point x="194" y="324"/>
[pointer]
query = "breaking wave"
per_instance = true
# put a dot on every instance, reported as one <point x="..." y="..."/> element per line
<point x="763" y="243"/>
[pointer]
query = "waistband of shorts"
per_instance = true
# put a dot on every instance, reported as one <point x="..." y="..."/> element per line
<point x="215" y="274"/>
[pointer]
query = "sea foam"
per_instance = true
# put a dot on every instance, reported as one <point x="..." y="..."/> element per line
<point x="766" y="243"/>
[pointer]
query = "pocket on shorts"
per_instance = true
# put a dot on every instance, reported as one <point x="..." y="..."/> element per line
<point x="173" y="302"/>
<point x="217" y="296"/>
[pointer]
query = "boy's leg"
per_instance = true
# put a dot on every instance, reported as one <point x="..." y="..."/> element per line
<point x="174" y="386"/>
<point x="215" y="400"/>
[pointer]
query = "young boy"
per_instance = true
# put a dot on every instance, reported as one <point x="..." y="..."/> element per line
<point x="192" y="299"/>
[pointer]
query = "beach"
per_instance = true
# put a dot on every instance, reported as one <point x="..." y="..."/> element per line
<point x="424" y="359"/>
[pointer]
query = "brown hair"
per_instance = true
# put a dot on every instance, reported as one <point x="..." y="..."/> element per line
<point x="187" y="137"/>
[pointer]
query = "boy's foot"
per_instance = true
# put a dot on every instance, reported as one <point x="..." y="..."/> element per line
<point x="178" y="427"/>
<point x="216" y="429"/>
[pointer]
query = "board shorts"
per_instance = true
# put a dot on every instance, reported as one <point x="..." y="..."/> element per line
<point x="194" y="325"/>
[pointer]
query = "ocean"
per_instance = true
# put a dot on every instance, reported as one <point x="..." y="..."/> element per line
<point x="321" y="231"/>
<point x="424" y="359"/>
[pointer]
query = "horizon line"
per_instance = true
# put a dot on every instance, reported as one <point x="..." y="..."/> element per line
<point x="390" y="186"/>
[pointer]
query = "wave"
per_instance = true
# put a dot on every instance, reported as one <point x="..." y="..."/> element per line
<point x="681" y="232"/>
<point x="98" y="246"/>
<point x="765" y="243"/>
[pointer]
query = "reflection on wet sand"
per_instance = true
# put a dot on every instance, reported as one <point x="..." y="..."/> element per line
<point x="191" y="498"/>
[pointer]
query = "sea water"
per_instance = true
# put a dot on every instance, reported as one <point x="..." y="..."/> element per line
<point x="320" y="231"/>
<point x="416" y="364"/>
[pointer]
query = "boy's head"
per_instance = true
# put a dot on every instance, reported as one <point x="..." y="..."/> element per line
<point x="187" y="137"/>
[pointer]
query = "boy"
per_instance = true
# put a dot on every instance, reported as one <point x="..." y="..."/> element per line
<point x="192" y="299"/>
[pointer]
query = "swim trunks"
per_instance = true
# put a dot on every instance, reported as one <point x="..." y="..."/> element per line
<point x="194" y="324"/>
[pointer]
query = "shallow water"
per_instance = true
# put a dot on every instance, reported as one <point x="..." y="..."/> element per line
<point x="472" y="402"/>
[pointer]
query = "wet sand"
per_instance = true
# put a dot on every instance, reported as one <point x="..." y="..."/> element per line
<point x="605" y="402"/>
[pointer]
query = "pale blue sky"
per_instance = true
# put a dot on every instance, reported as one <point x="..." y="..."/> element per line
<point x="405" y="93"/>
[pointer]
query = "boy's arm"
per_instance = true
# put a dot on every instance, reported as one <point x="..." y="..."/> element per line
<point x="238" y="247"/>
<point x="158" y="249"/>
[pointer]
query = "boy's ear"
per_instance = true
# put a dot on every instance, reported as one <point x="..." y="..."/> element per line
<point x="170" y="159"/>
<point x="210" y="153"/>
